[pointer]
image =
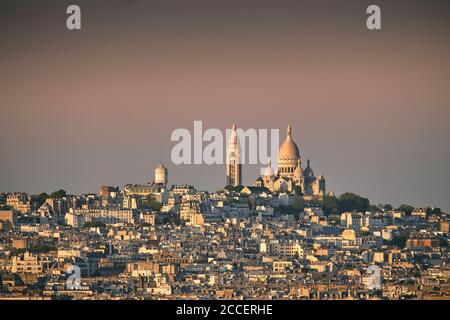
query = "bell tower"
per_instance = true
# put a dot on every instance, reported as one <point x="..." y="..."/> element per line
<point x="234" y="167"/>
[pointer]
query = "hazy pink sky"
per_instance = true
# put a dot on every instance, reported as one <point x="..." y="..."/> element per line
<point x="95" y="107"/>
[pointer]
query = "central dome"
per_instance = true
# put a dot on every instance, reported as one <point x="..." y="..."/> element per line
<point x="288" y="148"/>
<point x="288" y="156"/>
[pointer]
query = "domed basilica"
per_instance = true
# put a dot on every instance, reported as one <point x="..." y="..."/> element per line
<point x="290" y="173"/>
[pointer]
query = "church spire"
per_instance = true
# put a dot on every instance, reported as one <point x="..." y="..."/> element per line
<point x="234" y="167"/>
<point x="289" y="131"/>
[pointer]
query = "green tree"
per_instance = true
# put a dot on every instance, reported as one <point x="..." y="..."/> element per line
<point x="6" y="225"/>
<point x="237" y="188"/>
<point x="58" y="194"/>
<point x="399" y="241"/>
<point x="151" y="203"/>
<point x="298" y="191"/>
<point x="40" y="199"/>
<point x="407" y="209"/>
<point x="42" y="249"/>
<point x="429" y="211"/>
<point x="298" y="203"/>
<point x="330" y="205"/>
<point x="293" y="209"/>
<point x="94" y="224"/>
<point x="365" y="233"/>
<point x="351" y="202"/>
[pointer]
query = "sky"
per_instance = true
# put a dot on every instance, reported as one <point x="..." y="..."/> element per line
<point x="82" y="109"/>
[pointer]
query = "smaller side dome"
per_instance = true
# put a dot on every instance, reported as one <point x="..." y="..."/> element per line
<point x="268" y="171"/>
<point x="298" y="172"/>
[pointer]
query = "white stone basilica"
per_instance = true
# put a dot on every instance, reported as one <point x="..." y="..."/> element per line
<point x="290" y="173"/>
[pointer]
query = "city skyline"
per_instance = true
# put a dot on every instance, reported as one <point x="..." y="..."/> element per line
<point x="98" y="106"/>
<point x="226" y="157"/>
<point x="249" y="176"/>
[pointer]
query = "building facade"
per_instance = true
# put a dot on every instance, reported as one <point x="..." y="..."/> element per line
<point x="290" y="173"/>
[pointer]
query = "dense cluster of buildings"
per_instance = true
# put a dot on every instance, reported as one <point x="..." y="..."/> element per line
<point x="156" y="241"/>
